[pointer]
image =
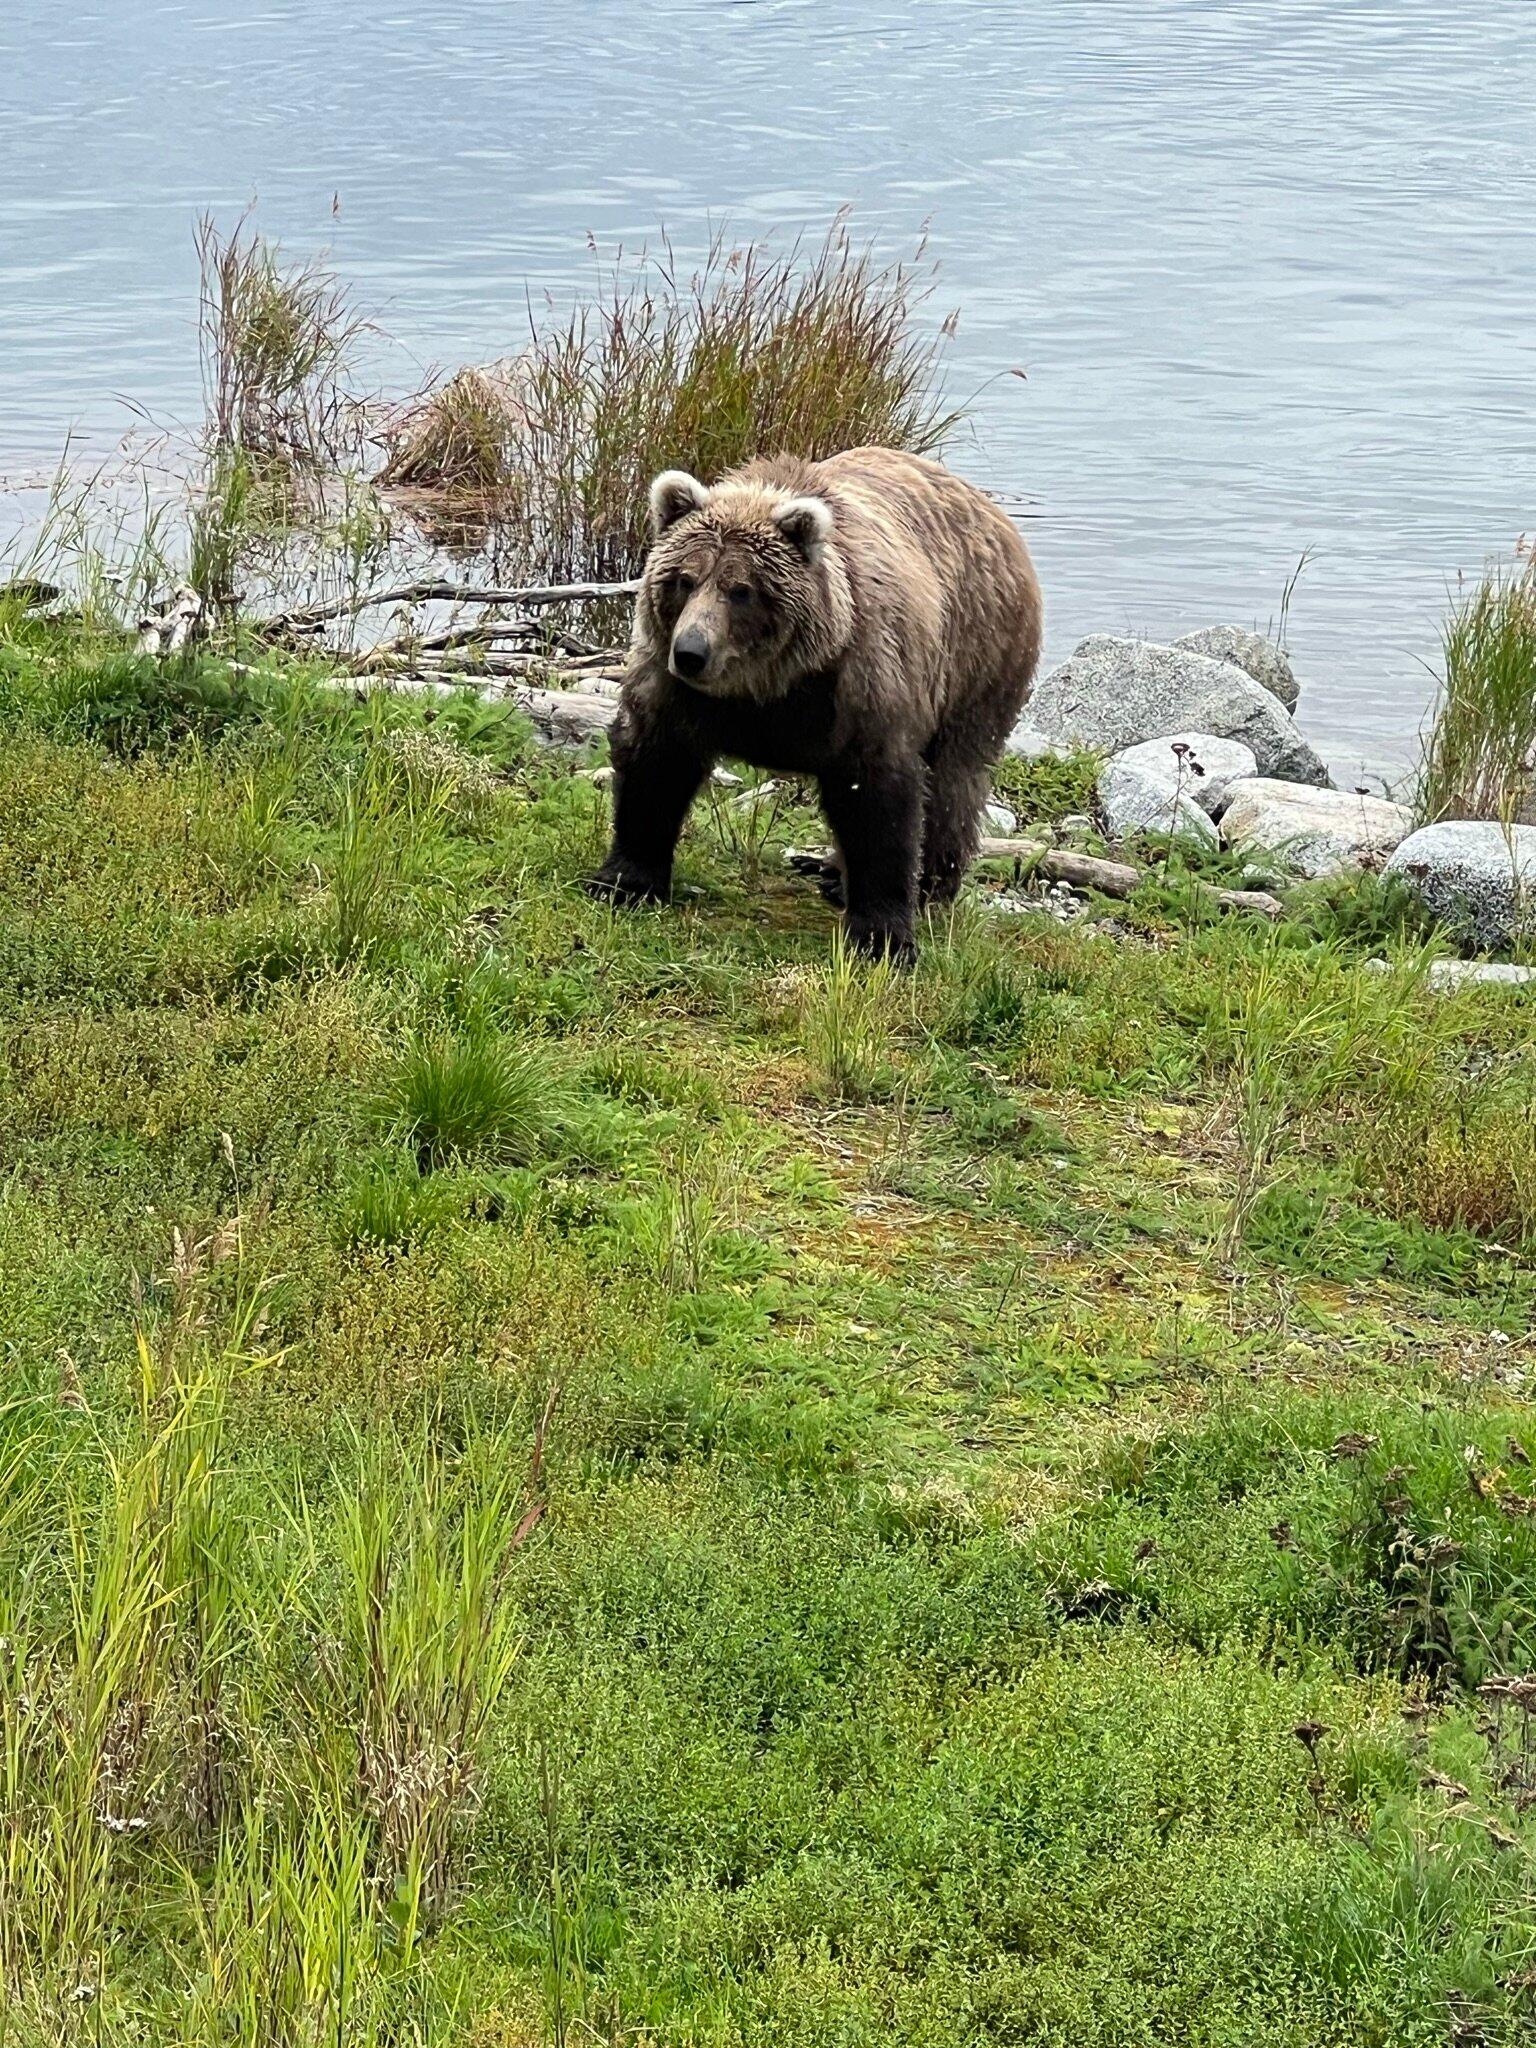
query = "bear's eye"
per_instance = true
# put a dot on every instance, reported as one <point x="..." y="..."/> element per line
<point x="684" y="585"/>
<point x="740" y="593"/>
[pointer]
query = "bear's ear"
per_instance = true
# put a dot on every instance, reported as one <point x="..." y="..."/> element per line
<point x="673" y="496"/>
<point x="806" y="523"/>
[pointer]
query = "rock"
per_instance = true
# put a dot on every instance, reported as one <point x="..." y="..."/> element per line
<point x="1115" y="693"/>
<point x="1313" y="831"/>
<point x="1268" y="664"/>
<point x="1000" y="820"/>
<point x="1172" y="785"/>
<point x="1137" y="794"/>
<point x="1478" y="878"/>
<point x="1029" y="743"/>
<point x="1454" y="974"/>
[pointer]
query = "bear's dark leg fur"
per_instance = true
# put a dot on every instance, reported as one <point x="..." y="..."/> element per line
<point x="657" y="772"/>
<point x="876" y="814"/>
<point x="957" y="790"/>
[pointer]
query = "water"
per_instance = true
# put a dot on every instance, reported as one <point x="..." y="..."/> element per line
<point x="1268" y="267"/>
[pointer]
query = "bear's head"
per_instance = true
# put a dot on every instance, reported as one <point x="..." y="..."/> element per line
<point x="744" y="591"/>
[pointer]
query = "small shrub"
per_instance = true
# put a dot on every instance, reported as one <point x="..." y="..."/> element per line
<point x="470" y="1096"/>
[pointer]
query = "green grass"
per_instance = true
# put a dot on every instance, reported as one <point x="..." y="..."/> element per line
<point x="1480" y="755"/>
<point x="569" y="1475"/>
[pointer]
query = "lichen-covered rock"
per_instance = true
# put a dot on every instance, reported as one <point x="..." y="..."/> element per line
<point x="1252" y="653"/>
<point x="1313" y="832"/>
<point x="1478" y="878"/>
<point x="1115" y="693"/>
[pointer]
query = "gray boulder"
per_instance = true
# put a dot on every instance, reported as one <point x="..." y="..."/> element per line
<point x="1134" y="799"/>
<point x="1174" y="785"/>
<point x="1115" y="693"/>
<point x="1252" y="653"/>
<point x="1313" y="832"/>
<point x="1478" y="878"/>
<point x="1029" y="743"/>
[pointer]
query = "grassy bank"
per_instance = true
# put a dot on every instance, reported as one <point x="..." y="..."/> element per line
<point x="573" y="1476"/>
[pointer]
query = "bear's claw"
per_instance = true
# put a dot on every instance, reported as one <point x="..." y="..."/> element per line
<point x="626" y="886"/>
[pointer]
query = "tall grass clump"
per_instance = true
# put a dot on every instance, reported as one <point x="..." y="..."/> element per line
<point x="460" y="438"/>
<point x="280" y="422"/>
<point x="1480" y="758"/>
<point x="469" y="1095"/>
<point x="757" y="352"/>
<point x="277" y="342"/>
<point x="846" y="1017"/>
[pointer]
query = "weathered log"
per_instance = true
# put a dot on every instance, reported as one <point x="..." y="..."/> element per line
<point x="565" y="718"/>
<point x="1258" y="900"/>
<point x="308" y="618"/>
<point x="28" y="591"/>
<point x="1058" y="864"/>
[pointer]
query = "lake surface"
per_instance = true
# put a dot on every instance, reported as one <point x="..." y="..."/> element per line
<point x="1270" y="268"/>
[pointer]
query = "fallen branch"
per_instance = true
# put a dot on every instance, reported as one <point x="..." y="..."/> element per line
<point x="565" y="718"/>
<point x="27" y="591"/>
<point x="1258" y="900"/>
<point x="1078" y="870"/>
<point x="308" y="618"/>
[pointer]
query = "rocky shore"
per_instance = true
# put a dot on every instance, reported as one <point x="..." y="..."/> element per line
<point x="1201" y="742"/>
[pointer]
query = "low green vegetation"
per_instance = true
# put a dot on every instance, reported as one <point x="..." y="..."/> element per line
<point x="569" y="1475"/>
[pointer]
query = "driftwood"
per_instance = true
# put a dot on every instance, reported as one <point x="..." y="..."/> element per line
<point x="169" y="631"/>
<point x="1258" y="900"/>
<point x="309" y="618"/>
<point x="565" y="718"/>
<point x="1112" y="877"/>
<point x="1078" y="870"/>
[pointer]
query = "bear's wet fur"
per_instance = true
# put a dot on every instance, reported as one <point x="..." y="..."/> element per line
<point x="871" y="621"/>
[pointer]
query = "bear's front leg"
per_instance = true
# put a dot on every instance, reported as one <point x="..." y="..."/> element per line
<point x="875" y="811"/>
<point x="657" y="770"/>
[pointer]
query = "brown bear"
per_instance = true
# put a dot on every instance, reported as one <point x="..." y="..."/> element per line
<point x="870" y="621"/>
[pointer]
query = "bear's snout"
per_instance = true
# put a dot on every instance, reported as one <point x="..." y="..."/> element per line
<point x="690" y="654"/>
